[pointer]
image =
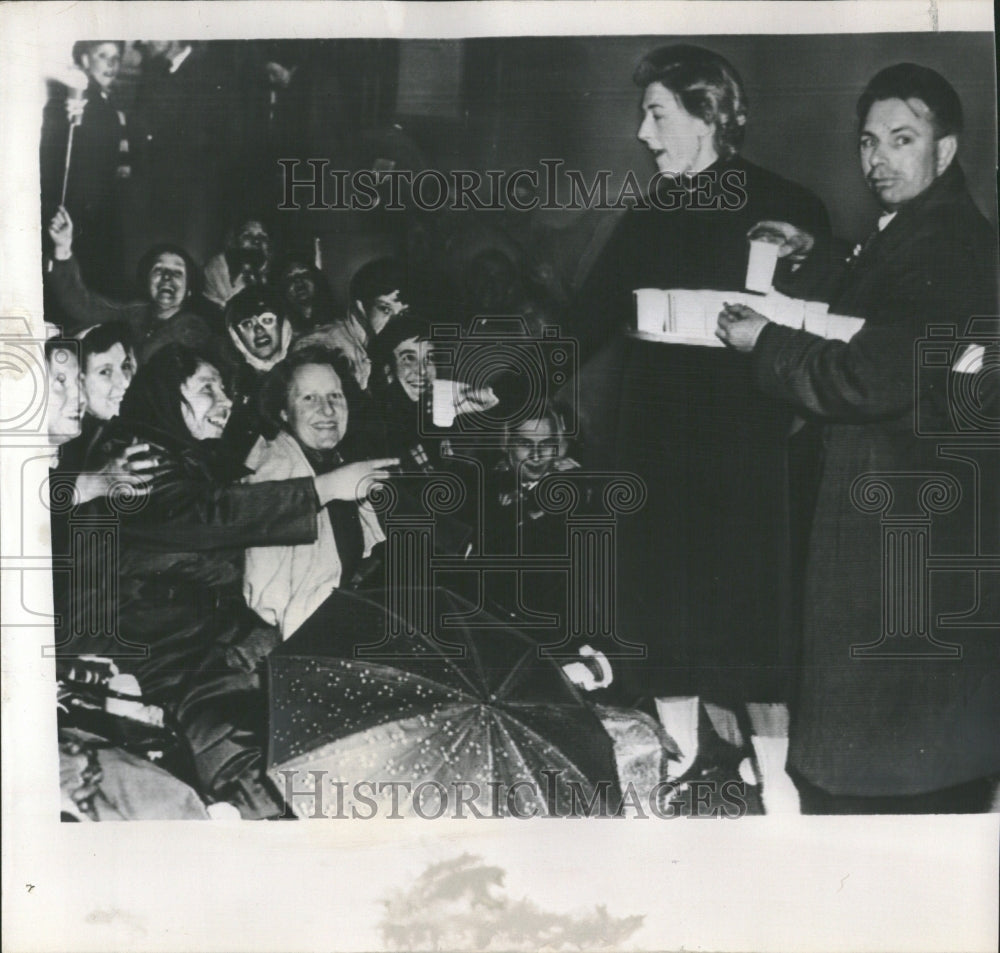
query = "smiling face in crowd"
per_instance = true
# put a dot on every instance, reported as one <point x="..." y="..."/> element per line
<point x="204" y="403"/>
<point x="316" y="411"/>
<point x="900" y="156"/>
<point x="261" y="334"/>
<point x="679" y="141"/>
<point x="413" y="366"/>
<point x="105" y="380"/>
<point x="168" y="282"/>
<point x="102" y="63"/>
<point x="533" y="447"/>
<point x="65" y="398"/>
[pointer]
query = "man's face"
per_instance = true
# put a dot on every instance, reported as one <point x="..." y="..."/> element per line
<point x="261" y="335"/>
<point x="899" y="154"/>
<point x="299" y="285"/>
<point x="533" y="448"/>
<point x="381" y="310"/>
<point x="105" y="380"/>
<point x="413" y="367"/>
<point x="205" y="405"/>
<point x="65" y="404"/>
<point x="168" y="283"/>
<point x="102" y="63"/>
<point x="316" y="412"/>
<point x="679" y="141"/>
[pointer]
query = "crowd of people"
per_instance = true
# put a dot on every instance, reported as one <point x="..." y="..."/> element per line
<point x="235" y="422"/>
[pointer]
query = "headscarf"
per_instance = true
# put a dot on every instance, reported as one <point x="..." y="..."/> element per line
<point x="252" y="302"/>
<point x="151" y="407"/>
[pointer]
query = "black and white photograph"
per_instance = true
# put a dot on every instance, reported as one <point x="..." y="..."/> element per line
<point x="541" y="458"/>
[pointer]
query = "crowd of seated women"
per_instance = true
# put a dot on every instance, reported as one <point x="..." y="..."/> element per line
<point x="245" y="439"/>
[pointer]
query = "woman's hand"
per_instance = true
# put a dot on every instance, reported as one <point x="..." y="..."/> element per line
<point x="353" y="481"/>
<point x="61" y="233"/>
<point x="134" y="468"/>
<point x="740" y="326"/>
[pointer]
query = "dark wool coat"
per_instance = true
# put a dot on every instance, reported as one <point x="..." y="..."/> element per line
<point x="702" y="575"/>
<point x="98" y="161"/>
<point x="877" y="723"/>
<point x="180" y="558"/>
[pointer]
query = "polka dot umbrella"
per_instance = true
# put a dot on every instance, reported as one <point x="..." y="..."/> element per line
<point x="368" y="717"/>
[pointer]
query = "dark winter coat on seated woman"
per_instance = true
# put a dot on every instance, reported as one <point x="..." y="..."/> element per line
<point x="181" y="618"/>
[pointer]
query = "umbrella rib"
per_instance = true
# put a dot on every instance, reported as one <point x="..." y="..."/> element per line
<point x="538" y="739"/>
<point x="465" y="678"/>
<point x="515" y="670"/>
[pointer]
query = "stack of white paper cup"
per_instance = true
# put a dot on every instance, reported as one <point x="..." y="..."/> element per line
<point x="760" y="267"/>
<point x="443" y="403"/>
<point x="650" y="310"/>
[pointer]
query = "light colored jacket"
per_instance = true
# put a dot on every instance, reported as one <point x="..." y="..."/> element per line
<point x="284" y="585"/>
<point x="348" y="337"/>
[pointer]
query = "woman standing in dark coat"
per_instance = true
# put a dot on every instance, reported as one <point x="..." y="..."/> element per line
<point x="702" y="578"/>
<point x="179" y="571"/>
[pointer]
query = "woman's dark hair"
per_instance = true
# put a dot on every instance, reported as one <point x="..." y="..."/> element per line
<point x="145" y="266"/>
<point x="253" y="301"/>
<point x="909" y="81"/>
<point x="707" y="85"/>
<point x="277" y="385"/>
<point x="102" y="337"/>
<point x="400" y="328"/>
<point x="153" y="399"/>
<point x="376" y="278"/>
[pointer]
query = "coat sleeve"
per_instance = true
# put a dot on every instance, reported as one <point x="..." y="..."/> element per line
<point x="868" y="378"/>
<point x="83" y="306"/>
<point x="199" y="516"/>
<point x="938" y="280"/>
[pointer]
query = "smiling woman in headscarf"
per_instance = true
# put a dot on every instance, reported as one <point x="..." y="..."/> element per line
<point x="179" y="572"/>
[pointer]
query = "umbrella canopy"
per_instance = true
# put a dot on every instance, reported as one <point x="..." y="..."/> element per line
<point x="461" y="713"/>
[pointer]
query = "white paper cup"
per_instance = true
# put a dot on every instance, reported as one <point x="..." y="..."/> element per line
<point x="443" y="403"/>
<point x="650" y="310"/>
<point x="761" y="265"/>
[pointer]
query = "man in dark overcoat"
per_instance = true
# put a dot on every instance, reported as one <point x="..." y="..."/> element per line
<point x="899" y="700"/>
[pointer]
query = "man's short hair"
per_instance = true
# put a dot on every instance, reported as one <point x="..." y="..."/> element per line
<point x="707" y="85"/>
<point x="909" y="81"/>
